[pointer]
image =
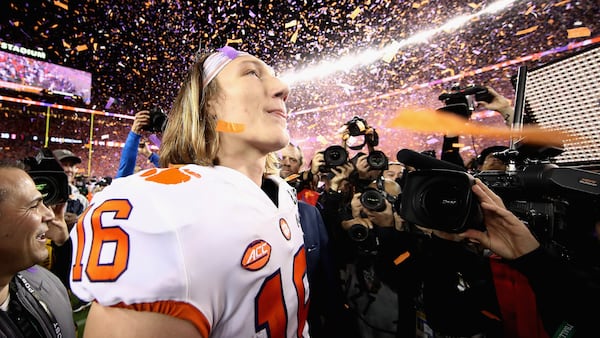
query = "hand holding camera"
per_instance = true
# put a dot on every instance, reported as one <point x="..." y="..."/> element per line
<point x="58" y="231"/>
<point x="341" y="173"/>
<point x="144" y="149"/>
<point x="153" y="120"/>
<point x="505" y="234"/>
<point x="498" y="103"/>
<point x="141" y="120"/>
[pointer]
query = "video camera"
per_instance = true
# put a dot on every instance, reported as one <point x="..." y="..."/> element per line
<point x="338" y="155"/>
<point x="438" y="194"/>
<point x="49" y="177"/>
<point x="158" y="120"/>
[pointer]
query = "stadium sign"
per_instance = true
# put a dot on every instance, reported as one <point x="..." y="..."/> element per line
<point x="9" y="47"/>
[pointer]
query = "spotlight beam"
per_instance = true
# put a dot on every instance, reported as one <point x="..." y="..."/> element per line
<point x="328" y="67"/>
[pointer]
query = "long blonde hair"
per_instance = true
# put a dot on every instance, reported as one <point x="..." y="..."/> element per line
<point x="190" y="135"/>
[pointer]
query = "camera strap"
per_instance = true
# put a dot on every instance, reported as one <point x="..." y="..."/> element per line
<point x="54" y="322"/>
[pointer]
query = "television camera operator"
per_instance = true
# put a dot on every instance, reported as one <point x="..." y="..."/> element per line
<point x="500" y="277"/>
<point x="33" y="301"/>
<point x="567" y="296"/>
<point x="556" y="210"/>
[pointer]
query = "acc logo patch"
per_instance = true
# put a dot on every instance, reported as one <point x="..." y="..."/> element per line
<point x="257" y="255"/>
<point x="285" y="229"/>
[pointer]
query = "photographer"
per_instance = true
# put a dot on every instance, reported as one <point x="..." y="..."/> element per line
<point x="133" y="145"/>
<point x="462" y="102"/>
<point x="33" y="301"/>
<point x="567" y="297"/>
<point x="304" y="182"/>
<point x="539" y="281"/>
<point x="382" y="278"/>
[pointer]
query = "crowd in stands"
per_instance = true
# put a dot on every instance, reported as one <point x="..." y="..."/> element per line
<point x="23" y="132"/>
<point x="31" y="72"/>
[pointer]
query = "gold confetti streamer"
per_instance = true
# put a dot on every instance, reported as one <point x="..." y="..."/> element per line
<point x="527" y="30"/>
<point x="579" y="32"/>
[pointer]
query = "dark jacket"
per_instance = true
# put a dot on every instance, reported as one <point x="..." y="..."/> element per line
<point x="51" y="291"/>
<point x="568" y="296"/>
<point x="327" y="315"/>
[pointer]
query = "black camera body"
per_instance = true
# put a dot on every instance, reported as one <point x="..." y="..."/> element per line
<point x="357" y="126"/>
<point x="49" y="177"/>
<point x="461" y="101"/>
<point x="333" y="156"/>
<point x="374" y="198"/>
<point x="377" y="160"/>
<point x="458" y="94"/>
<point x="158" y="121"/>
<point x="541" y="194"/>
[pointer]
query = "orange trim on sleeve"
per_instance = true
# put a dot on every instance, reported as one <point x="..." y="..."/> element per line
<point x="175" y="309"/>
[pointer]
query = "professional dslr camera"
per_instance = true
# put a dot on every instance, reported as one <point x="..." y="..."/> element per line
<point x="461" y="101"/>
<point x="49" y="177"/>
<point x="374" y="198"/>
<point x="338" y="155"/>
<point x="158" y="120"/>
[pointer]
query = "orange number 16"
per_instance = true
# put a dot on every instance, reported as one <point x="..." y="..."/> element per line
<point x="96" y="271"/>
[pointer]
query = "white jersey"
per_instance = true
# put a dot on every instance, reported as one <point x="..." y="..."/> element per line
<point x="204" y="244"/>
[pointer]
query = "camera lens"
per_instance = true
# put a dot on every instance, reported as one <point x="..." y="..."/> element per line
<point x="373" y="199"/>
<point x="358" y="232"/>
<point x="377" y="160"/>
<point x="442" y="201"/>
<point x="335" y="156"/>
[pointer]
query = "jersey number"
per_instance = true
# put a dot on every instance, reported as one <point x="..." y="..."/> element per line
<point x="96" y="271"/>
<point x="270" y="304"/>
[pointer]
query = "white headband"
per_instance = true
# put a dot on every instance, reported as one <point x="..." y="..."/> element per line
<point x="215" y="63"/>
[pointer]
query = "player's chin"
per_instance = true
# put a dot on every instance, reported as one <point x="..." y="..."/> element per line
<point x="39" y="253"/>
<point x="280" y="138"/>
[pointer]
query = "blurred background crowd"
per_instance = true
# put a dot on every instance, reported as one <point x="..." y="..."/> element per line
<point x="139" y="51"/>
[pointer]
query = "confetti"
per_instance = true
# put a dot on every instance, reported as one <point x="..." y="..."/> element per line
<point x="579" y="32"/>
<point x="527" y="31"/>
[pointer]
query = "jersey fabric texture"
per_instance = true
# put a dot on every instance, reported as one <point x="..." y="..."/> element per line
<point x="204" y="244"/>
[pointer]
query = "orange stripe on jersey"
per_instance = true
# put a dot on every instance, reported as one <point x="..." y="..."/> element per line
<point x="175" y="309"/>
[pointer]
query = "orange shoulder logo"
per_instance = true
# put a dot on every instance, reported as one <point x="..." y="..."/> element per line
<point x="257" y="255"/>
<point x="169" y="175"/>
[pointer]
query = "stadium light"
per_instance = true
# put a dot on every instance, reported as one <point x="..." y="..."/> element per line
<point x="369" y="56"/>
